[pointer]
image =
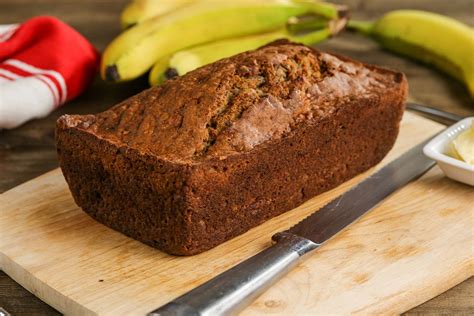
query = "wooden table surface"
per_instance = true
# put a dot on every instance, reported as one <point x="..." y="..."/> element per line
<point x="29" y="151"/>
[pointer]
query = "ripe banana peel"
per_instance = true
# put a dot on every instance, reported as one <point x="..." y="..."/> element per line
<point x="138" y="11"/>
<point x="427" y="37"/>
<point x="187" y="60"/>
<point x="137" y="49"/>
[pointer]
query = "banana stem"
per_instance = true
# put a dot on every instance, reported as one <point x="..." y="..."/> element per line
<point x="313" y="37"/>
<point x="320" y="29"/>
<point x="305" y="24"/>
<point x="328" y="10"/>
<point x="364" y="27"/>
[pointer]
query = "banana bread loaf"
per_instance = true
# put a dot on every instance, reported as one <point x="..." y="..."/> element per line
<point x="190" y="164"/>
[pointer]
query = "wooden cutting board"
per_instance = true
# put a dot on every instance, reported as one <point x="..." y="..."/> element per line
<point x="416" y="244"/>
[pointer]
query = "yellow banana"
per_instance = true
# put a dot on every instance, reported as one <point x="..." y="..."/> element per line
<point x="428" y="37"/>
<point x="189" y="59"/>
<point x="138" y="11"/>
<point x="133" y="52"/>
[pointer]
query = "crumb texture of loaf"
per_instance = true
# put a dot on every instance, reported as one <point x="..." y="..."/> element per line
<point x="190" y="164"/>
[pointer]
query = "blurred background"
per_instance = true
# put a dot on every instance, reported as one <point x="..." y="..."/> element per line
<point x="29" y="150"/>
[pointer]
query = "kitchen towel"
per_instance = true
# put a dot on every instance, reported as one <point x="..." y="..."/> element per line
<point x="43" y="64"/>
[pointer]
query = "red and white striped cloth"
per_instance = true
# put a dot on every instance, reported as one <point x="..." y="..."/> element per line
<point x="43" y="64"/>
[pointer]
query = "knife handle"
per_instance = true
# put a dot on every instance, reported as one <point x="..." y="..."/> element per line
<point x="234" y="289"/>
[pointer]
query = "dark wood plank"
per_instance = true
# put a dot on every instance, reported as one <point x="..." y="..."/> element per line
<point x="457" y="301"/>
<point x="17" y="301"/>
<point x="29" y="151"/>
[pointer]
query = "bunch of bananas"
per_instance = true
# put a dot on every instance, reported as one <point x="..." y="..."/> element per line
<point x="172" y="37"/>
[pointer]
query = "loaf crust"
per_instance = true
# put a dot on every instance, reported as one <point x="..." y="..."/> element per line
<point x="205" y="157"/>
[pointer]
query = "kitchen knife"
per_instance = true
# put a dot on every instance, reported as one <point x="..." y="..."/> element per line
<point x="231" y="291"/>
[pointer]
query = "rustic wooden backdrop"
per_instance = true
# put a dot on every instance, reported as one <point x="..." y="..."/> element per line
<point x="29" y="151"/>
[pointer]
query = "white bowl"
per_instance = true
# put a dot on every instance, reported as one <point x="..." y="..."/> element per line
<point x="439" y="149"/>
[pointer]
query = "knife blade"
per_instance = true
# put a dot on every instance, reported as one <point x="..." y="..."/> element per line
<point x="231" y="291"/>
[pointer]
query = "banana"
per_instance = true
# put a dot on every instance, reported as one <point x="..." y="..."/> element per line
<point x="133" y="52"/>
<point x="139" y="10"/>
<point x="427" y="37"/>
<point x="189" y="59"/>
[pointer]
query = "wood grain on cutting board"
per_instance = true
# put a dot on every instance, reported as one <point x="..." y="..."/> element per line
<point x="415" y="245"/>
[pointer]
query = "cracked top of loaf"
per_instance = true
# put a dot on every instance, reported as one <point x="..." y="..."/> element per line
<point x="237" y="103"/>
